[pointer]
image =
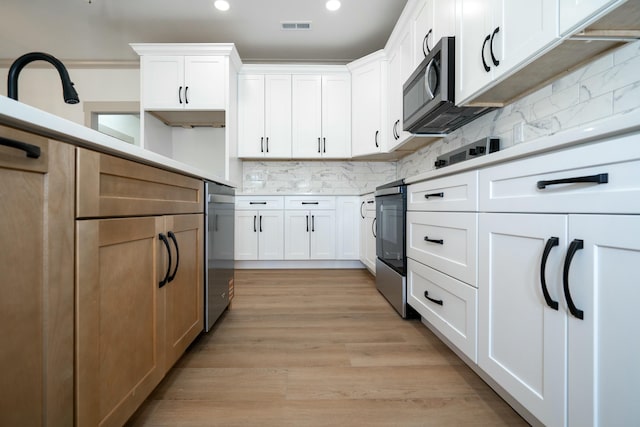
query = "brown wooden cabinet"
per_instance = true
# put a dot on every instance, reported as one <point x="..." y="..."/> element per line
<point x="139" y="281"/>
<point x="36" y="281"/>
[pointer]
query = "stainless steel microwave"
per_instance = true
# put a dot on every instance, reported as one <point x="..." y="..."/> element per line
<point x="429" y="105"/>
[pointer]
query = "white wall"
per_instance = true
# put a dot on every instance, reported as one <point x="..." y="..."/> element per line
<point x="40" y="87"/>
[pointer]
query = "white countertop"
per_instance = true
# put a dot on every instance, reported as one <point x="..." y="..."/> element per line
<point x="597" y="130"/>
<point x="23" y="116"/>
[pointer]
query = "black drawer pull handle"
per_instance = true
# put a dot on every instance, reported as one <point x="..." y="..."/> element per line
<point x="310" y="203"/>
<point x="551" y="243"/>
<point x="601" y="178"/>
<point x="257" y="203"/>
<point x="426" y="196"/>
<point x="575" y="246"/>
<point x="175" y="242"/>
<point x="438" y="241"/>
<point x="166" y="275"/>
<point x="33" y="151"/>
<point x="371" y="202"/>
<point x="435" y="301"/>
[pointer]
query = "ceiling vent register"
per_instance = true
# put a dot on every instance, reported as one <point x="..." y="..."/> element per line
<point x="305" y="26"/>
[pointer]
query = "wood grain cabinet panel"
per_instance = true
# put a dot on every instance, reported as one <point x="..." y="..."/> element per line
<point x="113" y="187"/>
<point x="36" y="261"/>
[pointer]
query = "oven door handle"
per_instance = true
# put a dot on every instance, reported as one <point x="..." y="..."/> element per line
<point x="374" y="227"/>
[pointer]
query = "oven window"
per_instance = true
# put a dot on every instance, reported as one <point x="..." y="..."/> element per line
<point x="391" y="230"/>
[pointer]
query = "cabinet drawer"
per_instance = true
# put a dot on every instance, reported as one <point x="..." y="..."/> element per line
<point x="109" y="186"/>
<point x="452" y="306"/>
<point x="259" y="202"/>
<point x="452" y="242"/>
<point x="310" y="202"/>
<point x="451" y="193"/>
<point x="514" y="186"/>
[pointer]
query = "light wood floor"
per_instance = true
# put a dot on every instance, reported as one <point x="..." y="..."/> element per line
<point x="319" y="348"/>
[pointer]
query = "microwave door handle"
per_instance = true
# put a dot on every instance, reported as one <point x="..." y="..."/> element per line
<point x="426" y="79"/>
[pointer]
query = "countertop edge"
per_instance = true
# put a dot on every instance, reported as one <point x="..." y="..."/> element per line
<point x="23" y="116"/>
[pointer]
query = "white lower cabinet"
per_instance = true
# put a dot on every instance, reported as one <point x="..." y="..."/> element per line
<point x="347" y="227"/>
<point x="448" y="304"/>
<point x="309" y="234"/>
<point x="368" y="232"/>
<point x="259" y="228"/>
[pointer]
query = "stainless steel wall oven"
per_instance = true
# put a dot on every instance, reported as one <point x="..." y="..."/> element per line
<point x="391" y="262"/>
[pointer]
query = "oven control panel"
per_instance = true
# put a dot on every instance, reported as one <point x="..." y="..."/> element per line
<point x="479" y="148"/>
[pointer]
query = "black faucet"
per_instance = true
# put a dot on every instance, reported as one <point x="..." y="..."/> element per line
<point x="68" y="91"/>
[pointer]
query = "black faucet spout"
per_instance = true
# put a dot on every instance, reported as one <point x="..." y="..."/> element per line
<point x="68" y="91"/>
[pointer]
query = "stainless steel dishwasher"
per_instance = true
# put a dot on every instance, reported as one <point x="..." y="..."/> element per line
<point x="219" y="271"/>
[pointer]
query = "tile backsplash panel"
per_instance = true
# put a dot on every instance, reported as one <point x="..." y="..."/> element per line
<point x="608" y="86"/>
<point x="315" y="177"/>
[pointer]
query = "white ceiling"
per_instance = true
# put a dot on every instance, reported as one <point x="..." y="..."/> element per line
<point x="102" y="30"/>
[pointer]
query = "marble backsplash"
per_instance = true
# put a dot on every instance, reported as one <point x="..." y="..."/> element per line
<point x="608" y="86"/>
<point x="603" y="88"/>
<point x="315" y="177"/>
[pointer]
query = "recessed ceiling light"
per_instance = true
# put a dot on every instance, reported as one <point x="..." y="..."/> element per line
<point x="333" y="5"/>
<point x="221" y="5"/>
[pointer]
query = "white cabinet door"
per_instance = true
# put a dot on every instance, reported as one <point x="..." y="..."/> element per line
<point x="575" y="13"/>
<point x="336" y="116"/>
<point x="204" y="78"/>
<point x="297" y="234"/>
<point x="278" y="116"/>
<point x="251" y="115"/>
<point x="521" y="340"/>
<point x="370" y="228"/>
<point x="246" y="235"/>
<point x="307" y="116"/>
<point x="433" y="20"/>
<point x="162" y="82"/>
<point x="323" y="235"/>
<point x="348" y="227"/>
<point x="271" y="235"/>
<point x="604" y="348"/>
<point x="400" y="68"/>
<point x="368" y="82"/>
<point x="494" y="37"/>
<point x="264" y="116"/>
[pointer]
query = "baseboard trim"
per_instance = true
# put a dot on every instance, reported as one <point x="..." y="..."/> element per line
<point x="306" y="264"/>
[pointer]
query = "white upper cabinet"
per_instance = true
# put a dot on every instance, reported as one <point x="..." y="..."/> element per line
<point x="495" y="37"/>
<point x="400" y="68"/>
<point x="433" y="20"/>
<point x="321" y="116"/>
<point x="576" y="13"/>
<point x="369" y="108"/>
<point x="183" y="82"/>
<point x="264" y="115"/>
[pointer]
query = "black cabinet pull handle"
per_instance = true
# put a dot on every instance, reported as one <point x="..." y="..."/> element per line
<point x="324" y="145"/>
<point x="425" y="43"/>
<point x="493" y="57"/>
<point x="260" y="223"/>
<point x="33" y="151"/>
<point x="310" y="203"/>
<point x="374" y="226"/>
<point x="255" y="229"/>
<point x="362" y="210"/>
<point x="267" y="141"/>
<point x="180" y="94"/>
<point x="318" y="145"/>
<point x="257" y="203"/>
<point x="175" y="242"/>
<point x="551" y="243"/>
<point x="313" y="223"/>
<point x="164" y="240"/>
<point x="438" y="241"/>
<point x="371" y="202"/>
<point x="186" y="98"/>
<point x="426" y="196"/>
<point x="307" y="223"/>
<point x="575" y="246"/>
<point x="375" y="138"/>
<point x="435" y="301"/>
<point x="484" y="44"/>
<point x="601" y="178"/>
